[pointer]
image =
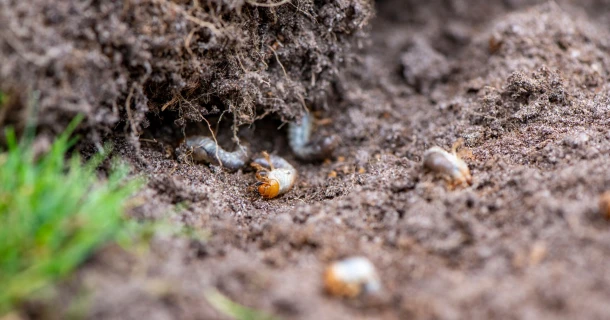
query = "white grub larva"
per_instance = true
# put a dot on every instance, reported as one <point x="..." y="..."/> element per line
<point x="299" y="135"/>
<point x="449" y="165"/>
<point x="274" y="174"/>
<point x="205" y="149"/>
<point x="351" y="277"/>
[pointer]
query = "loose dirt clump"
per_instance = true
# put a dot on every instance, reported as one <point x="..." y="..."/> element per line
<point x="116" y="61"/>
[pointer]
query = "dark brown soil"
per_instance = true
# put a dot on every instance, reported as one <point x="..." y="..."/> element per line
<point x="524" y="84"/>
<point x="180" y="61"/>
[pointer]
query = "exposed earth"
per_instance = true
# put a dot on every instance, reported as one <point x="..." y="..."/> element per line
<point x="523" y="83"/>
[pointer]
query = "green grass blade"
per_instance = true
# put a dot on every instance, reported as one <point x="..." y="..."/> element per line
<point x="54" y="213"/>
<point x="233" y="309"/>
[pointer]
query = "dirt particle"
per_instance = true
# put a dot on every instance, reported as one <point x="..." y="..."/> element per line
<point x="604" y="204"/>
<point x="423" y="67"/>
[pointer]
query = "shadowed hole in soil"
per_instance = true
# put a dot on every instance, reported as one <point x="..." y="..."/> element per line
<point x="267" y="134"/>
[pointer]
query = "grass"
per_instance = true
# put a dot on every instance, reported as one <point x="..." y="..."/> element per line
<point x="233" y="309"/>
<point x="54" y="213"/>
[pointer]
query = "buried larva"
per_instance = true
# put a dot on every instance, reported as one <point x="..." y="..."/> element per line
<point x="204" y="149"/>
<point x="274" y="174"/>
<point x="449" y="165"/>
<point x="351" y="277"/>
<point x="306" y="149"/>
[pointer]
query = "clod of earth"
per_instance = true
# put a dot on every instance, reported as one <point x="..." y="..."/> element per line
<point x="604" y="204"/>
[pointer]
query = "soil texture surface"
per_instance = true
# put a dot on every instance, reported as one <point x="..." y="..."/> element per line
<point x="524" y="84"/>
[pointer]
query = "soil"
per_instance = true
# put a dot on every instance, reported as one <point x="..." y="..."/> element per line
<point x="523" y="83"/>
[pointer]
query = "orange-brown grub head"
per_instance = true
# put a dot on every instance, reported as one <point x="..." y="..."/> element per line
<point x="269" y="189"/>
<point x="337" y="287"/>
